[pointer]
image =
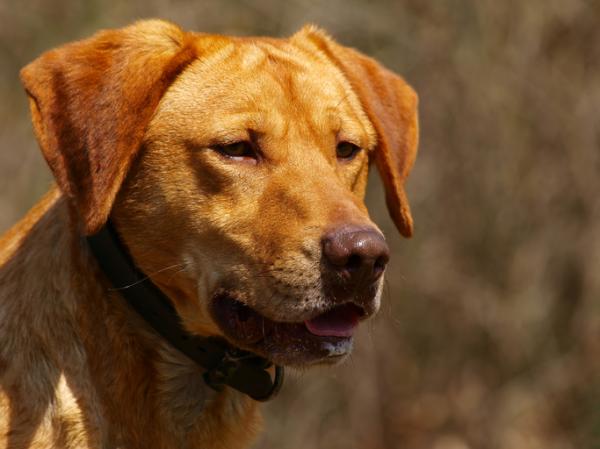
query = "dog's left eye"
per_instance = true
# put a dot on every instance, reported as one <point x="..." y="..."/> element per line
<point x="237" y="151"/>
<point x="347" y="150"/>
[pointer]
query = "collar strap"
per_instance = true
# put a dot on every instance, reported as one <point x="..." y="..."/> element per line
<point x="224" y="364"/>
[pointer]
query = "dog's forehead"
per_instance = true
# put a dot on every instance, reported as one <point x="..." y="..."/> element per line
<point x="267" y="78"/>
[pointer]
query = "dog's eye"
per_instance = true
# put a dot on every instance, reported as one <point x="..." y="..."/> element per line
<point x="237" y="151"/>
<point x="347" y="150"/>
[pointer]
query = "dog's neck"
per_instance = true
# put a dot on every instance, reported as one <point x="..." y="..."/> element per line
<point x="118" y="373"/>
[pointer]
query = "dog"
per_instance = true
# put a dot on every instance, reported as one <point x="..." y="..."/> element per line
<point x="231" y="171"/>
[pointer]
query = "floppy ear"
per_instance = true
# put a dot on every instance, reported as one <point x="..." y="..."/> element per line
<point x="91" y="102"/>
<point x="391" y="105"/>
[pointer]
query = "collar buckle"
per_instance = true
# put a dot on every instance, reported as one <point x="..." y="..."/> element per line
<point x="236" y="368"/>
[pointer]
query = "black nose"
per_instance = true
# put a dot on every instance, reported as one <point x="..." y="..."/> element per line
<point x="358" y="255"/>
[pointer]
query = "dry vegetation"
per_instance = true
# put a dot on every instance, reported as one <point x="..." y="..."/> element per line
<point x="490" y="333"/>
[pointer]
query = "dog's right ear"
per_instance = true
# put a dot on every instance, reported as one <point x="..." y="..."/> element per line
<point x="91" y="102"/>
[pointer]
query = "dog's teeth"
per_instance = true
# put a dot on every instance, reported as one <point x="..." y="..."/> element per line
<point x="337" y="349"/>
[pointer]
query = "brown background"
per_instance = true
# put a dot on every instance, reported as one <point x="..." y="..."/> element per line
<point x="489" y="335"/>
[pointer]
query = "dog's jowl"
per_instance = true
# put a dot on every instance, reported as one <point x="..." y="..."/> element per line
<point x="207" y="230"/>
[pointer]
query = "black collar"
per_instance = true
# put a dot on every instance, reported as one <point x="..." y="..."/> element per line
<point x="224" y="364"/>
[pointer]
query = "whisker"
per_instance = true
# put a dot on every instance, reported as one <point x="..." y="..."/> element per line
<point x="148" y="276"/>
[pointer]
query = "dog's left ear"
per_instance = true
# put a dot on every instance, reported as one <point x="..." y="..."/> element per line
<point x="91" y="102"/>
<point x="391" y="105"/>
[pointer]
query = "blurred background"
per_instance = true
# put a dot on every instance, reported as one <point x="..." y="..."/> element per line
<point x="489" y="336"/>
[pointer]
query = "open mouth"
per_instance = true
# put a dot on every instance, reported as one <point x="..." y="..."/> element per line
<point x="326" y="337"/>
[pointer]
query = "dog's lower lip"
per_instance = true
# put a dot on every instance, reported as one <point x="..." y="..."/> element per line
<point x="327" y="336"/>
<point x="235" y="314"/>
<point x="341" y="321"/>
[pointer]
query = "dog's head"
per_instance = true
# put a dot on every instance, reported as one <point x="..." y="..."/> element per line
<point x="234" y="170"/>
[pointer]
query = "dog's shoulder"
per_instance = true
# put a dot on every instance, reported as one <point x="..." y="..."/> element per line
<point x="34" y="391"/>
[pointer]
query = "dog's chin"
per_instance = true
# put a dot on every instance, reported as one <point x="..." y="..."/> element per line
<point x="324" y="339"/>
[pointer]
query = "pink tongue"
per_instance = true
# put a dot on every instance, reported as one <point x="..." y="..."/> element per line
<point x="339" y="322"/>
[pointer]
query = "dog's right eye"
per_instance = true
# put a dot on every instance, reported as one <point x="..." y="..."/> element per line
<point x="238" y="151"/>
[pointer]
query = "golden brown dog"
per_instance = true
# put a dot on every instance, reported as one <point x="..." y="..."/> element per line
<point x="233" y="170"/>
